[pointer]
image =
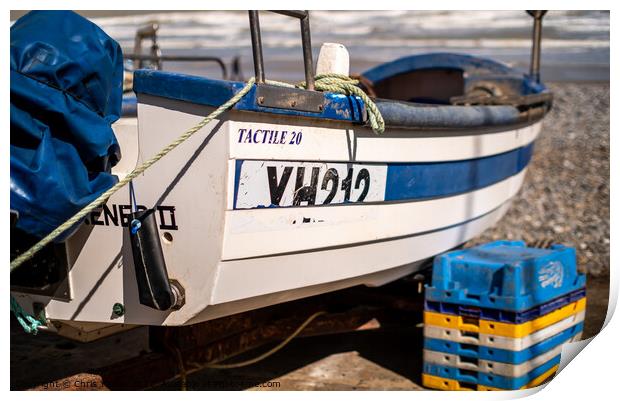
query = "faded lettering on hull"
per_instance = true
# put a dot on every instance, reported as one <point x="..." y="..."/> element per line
<point x="269" y="136"/>
<point x="120" y="216"/>
<point x="281" y="184"/>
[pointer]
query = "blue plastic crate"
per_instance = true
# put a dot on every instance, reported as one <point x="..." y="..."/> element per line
<point x="505" y="275"/>
<point x="488" y="379"/>
<point x="502" y="355"/>
<point x="505" y="316"/>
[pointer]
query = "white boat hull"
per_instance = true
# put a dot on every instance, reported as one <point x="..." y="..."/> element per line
<point x="232" y="251"/>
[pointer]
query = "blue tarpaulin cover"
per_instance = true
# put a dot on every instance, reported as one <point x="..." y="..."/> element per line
<point x="66" y="91"/>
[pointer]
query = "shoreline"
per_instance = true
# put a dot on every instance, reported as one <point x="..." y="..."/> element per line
<point x="575" y="46"/>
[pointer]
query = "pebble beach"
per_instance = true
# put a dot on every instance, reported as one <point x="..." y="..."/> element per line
<point x="565" y="196"/>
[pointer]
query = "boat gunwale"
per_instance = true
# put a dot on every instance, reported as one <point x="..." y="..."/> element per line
<point x="391" y="132"/>
<point x="338" y="107"/>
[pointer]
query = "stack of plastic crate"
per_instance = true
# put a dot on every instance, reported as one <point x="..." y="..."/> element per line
<point x="496" y="316"/>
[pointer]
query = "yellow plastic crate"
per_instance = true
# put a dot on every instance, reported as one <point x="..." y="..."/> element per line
<point x="441" y="383"/>
<point x="503" y="329"/>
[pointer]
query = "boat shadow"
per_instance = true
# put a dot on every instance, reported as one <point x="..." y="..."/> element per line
<point x="384" y="352"/>
<point x="365" y="360"/>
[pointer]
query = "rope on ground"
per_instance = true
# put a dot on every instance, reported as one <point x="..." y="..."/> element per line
<point x="271" y="351"/>
<point x="28" y="322"/>
<point x="182" y="370"/>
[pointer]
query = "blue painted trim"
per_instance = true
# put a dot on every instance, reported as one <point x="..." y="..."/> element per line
<point x="419" y="181"/>
<point x="210" y="92"/>
<point x="214" y="92"/>
<point x="502" y="355"/>
<point x="430" y="180"/>
<point x="488" y="379"/>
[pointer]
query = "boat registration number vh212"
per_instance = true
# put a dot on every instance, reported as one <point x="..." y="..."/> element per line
<point x="261" y="184"/>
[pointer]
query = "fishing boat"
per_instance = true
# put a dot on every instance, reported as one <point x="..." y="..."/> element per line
<point x="291" y="193"/>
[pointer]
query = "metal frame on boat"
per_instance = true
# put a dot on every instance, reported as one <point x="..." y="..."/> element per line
<point x="149" y="32"/>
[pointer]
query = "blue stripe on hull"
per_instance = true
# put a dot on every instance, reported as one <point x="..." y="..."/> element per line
<point x="420" y="181"/>
<point x="429" y="180"/>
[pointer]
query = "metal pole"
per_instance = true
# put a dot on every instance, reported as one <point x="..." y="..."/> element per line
<point x="147" y="31"/>
<point x="307" y="49"/>
<point x="292" y="13"/>
<point x="161" y="58"/>
<point x="257" y="51"/>
<point x="257" y="47"/>
<point x="536" y="38"/>
<point x="137" y="49"/>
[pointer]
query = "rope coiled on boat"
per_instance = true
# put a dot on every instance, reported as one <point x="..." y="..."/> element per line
<point x="343" y="84"/>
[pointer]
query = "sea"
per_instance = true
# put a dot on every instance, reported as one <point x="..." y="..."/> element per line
<point x="575" y="44"/>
